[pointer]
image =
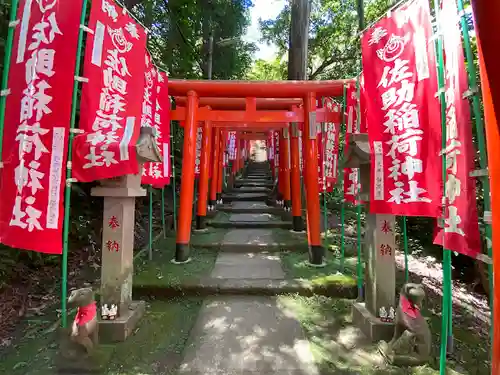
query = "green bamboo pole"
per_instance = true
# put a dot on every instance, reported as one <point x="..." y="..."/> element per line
<point x="359" y="266"/>
<point x="150" y="245"/>
<point x="174" y="193"/>
<point x="446" y="321"/>
<point x="6" y="68"/>
<point x="342" y="175"/>
<point x="163" y="212"/>
<point x="479" y="124"/>
<point x="67" y="190"/>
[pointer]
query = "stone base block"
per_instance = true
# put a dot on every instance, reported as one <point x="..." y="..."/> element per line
<point x="370" y="325"/>
<point x="70" y="358"/>
<point x="112" y="331"/>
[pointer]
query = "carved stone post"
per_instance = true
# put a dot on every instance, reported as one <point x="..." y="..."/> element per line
<point x="119" y="312"/>
<point x="374" y="316"/>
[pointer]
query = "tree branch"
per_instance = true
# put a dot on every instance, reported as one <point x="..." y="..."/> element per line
<point x="184" y="39"/>
<point x="326" y="63"/>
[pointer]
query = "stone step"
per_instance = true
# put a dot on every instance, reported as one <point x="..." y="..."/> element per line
<point x="253" y="248"/>
<point x="268" y="185"/>
<point x="211" y="286"/>
<point x="250" y="189"/>
<point x="258" y="177"/>
<point x="250" y="225"/>
<point x="244" y="197"/>
<point x="258" y="210"/>
<point x="253" y="181"/>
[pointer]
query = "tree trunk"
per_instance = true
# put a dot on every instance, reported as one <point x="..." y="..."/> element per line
<point x="298" y="40"/>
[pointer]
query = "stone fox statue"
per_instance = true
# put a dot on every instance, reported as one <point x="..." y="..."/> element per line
<point x="411" y="330"/>
<point x="84" y="330"/>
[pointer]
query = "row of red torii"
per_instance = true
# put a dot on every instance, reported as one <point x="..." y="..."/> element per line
<point x="254" y="107"/>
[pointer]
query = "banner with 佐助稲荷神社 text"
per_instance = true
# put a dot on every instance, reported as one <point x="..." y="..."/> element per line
<point x="330" y="145"/>
<point x="155" y="113"/>
<point x="36" y="129"/>
<point x="459" y="231"/>
<point x="403" y="113"/>
<point x="111" y="106"/>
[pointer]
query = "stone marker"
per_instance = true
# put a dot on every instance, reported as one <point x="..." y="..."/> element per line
<point x="375" y="316"/>
<point x="119" y="313"/>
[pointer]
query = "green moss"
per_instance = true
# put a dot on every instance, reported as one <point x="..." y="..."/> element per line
<point x="339" y="348"/>
<point x="296" y="266"/>
<point x="34" y="351"/>
<point x="30" y="352"/>
<point x="211" y="236"/>
<point x="338" y="279"/>
<point x="287" y="239"/>
<point x="156" y="346"/>
<point x="158" y="343"/>
<point x="160" y="271"/>
<point x="222" y="217"/>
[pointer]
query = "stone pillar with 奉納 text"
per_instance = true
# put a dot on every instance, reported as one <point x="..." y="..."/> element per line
<point x="374" y="316"/>
<point x="119" y="313"/>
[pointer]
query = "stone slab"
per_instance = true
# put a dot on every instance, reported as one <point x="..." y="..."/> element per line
<point x="253" y="181"/>
<point x="118" y="330"/>
<point x="250" y="190"/>
<point x="371" y="326"/>
<point x="252" y="218"/>
<point x="249" y="237"/>
<point x="249" y="205"/>
<point x="247" y="266"/>
<point x="244" y="335"/>
<point x="251" y="224"/>
<point x="210" y="286"/>
<point x="244" y="197"/>
<point x="267" y="184"/>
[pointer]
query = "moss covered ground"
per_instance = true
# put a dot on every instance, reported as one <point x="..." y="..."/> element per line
<point x="161" y="271"/>
<point x="155" y="347"/>
<point x="339" y="348"/>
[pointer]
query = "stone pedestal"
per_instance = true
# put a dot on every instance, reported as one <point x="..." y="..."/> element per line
<point x="375" y="315"/>
<point x="118" y="256"/>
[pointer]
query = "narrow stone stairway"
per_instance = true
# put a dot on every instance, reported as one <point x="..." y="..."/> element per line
<point x="248" y="334"/>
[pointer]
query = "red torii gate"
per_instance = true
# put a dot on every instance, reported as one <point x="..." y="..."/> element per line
<point x="251" y="92"/>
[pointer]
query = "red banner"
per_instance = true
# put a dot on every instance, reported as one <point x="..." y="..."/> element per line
<point x="461" y="229"/>
<point x="403" y="113"/>
<point x="276" y="136"/>
<point x="155" y="113"/>
<point x="163" y="116"/>
<point x="112" y="98"/>
<point x="231" y="145"/>
<point x="301" y="150"/>
<point x="320" y="155"/>
<point x="331" y="147"/>
<point x="352" y="184"/>
<point x="38" y="111"/>
<point x="270" y="149"/>
<point x="224" y="143"/>
<point x="199" y="138"/>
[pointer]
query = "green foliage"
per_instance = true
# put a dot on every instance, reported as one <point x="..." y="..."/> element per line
<point x="262" y="70"/>
<point x="180" y="30"/>
<point x="334" y="50"/>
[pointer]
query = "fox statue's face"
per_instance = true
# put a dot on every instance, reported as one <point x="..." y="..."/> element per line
<point x="81" y="297"/>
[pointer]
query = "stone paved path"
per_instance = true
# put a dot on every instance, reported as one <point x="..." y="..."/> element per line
<point x="247" y="335"/>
